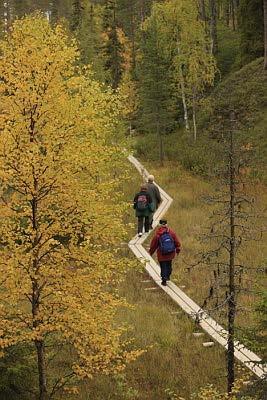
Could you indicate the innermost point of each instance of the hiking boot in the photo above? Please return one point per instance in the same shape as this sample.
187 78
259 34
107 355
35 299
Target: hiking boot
140 234
164 283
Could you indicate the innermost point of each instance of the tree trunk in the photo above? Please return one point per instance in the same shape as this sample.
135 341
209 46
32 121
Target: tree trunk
232 294
133 45
184 99
227 13
142 11
219 11
232 5
39 345
202 12
160 144
194 117
213 27
182 86
265 33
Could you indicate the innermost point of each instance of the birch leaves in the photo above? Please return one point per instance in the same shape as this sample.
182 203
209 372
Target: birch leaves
183 41
60 219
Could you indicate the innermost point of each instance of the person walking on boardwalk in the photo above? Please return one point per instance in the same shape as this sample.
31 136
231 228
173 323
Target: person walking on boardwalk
154 192
143 208
167 244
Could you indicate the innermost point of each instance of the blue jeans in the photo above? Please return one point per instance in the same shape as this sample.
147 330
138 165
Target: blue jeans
166 269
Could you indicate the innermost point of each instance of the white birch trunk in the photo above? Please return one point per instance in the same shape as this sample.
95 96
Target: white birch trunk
184 99
182 86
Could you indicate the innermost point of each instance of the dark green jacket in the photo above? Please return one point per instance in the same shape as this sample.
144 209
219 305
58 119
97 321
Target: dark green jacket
149 208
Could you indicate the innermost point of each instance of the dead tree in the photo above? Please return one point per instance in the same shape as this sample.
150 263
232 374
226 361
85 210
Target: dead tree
228 233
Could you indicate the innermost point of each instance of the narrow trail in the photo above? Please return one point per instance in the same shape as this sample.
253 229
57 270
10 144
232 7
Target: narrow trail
216 331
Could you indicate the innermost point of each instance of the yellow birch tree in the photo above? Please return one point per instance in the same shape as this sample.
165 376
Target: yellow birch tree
183 40
61 211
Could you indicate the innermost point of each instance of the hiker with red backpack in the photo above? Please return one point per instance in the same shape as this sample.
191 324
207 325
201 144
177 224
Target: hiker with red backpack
167 245
143 208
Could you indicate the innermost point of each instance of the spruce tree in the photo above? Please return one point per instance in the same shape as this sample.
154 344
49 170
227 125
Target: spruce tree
76 17
234 223
156 100
130 15
54 11
113 48
251 27
213 26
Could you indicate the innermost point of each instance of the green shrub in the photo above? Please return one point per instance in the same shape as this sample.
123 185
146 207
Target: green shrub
16 374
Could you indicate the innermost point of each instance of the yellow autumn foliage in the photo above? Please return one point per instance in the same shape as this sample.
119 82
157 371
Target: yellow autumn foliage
210 392
182 37
61 210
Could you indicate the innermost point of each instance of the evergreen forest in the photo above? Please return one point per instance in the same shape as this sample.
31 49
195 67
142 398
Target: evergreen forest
180 85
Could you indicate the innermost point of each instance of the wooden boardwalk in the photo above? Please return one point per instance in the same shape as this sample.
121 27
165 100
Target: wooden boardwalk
216 331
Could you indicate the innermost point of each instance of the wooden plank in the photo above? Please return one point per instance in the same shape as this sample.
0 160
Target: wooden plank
216 331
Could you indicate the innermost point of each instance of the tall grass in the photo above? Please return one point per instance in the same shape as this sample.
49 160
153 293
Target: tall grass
189 215
174 361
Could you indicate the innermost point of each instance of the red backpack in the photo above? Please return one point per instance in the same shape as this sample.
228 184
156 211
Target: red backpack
141 203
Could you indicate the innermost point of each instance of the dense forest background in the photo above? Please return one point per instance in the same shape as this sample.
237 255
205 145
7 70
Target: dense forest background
128 49
173 81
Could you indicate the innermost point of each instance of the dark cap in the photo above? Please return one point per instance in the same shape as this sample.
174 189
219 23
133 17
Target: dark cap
163 222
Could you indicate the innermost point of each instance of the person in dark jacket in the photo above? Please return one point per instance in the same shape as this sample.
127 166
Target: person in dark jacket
143 208
165 260
154 192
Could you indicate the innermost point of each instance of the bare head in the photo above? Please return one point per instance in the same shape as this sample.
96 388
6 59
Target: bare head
150 178
143 186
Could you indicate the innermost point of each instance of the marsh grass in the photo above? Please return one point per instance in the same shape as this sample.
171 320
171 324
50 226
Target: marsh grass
174 361
189 215
174 358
